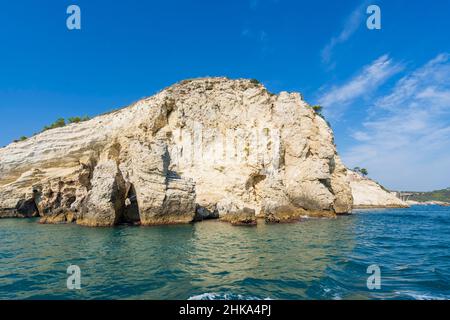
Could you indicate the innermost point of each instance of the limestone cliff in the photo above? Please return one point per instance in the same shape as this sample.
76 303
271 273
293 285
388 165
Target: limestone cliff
203 148
369 194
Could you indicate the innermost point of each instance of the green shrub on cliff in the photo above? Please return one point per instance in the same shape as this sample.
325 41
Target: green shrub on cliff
78 119
61 122
57 124
22 138
361 171
318 109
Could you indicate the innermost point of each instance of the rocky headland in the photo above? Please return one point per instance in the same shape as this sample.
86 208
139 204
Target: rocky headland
369 194
200 149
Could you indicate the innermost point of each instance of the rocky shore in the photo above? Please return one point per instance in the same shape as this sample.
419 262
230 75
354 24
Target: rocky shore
209 148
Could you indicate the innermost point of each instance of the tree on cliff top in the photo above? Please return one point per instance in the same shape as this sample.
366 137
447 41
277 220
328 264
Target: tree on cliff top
318 109
364 172
361 171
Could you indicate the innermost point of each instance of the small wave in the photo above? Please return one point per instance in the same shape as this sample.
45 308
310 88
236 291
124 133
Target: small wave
401 267
224 296
418 296
334 296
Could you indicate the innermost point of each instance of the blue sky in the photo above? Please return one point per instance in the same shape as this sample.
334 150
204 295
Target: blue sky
386 92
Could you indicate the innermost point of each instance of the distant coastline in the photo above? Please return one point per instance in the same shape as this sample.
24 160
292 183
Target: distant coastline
428 203
438 196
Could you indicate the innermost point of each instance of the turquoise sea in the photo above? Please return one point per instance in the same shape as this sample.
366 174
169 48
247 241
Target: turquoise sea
312 259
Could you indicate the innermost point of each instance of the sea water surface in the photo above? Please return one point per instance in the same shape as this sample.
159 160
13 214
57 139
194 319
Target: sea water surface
312 259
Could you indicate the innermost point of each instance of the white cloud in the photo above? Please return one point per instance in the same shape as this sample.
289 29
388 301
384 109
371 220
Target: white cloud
360 136
435 72
405 142
353 22
336 98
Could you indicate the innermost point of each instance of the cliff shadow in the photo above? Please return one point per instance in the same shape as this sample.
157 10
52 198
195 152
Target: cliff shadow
130 213
29 208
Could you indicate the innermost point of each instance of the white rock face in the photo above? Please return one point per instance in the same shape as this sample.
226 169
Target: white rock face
202 148
369 194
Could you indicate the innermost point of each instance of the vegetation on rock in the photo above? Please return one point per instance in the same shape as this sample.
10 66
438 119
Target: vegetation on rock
78 119
61 122
57 124
362 171
22 138
437 195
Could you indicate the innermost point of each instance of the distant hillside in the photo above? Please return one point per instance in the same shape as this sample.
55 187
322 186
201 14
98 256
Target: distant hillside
438 195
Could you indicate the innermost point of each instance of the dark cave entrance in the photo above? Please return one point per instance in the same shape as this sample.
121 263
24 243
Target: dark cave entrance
28 208
130 214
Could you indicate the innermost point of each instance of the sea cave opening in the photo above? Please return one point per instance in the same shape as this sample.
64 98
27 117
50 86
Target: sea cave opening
130 214
28 208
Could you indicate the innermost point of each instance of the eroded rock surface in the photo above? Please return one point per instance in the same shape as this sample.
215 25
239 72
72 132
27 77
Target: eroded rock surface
203 148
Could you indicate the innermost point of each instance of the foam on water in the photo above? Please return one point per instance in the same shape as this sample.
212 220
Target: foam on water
224 296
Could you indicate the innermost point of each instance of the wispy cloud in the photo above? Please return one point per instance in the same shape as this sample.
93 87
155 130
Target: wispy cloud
352 23
422 83
254 31
259 37
405 141
372 76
